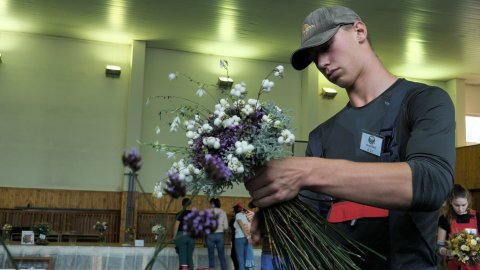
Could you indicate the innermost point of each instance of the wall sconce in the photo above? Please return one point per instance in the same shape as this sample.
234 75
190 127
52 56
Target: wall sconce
225 82
328 93
113 71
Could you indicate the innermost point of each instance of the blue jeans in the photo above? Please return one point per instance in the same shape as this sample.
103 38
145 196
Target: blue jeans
241 245
216 239
185 247
267 262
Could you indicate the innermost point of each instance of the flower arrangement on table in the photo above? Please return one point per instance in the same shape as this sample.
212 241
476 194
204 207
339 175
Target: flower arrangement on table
465 247
6 231
7 227
100 226
43 229
224 146
158 230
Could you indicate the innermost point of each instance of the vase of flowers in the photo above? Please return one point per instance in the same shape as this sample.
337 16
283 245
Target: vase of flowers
7 232
101 227
43 229
158 230
130 233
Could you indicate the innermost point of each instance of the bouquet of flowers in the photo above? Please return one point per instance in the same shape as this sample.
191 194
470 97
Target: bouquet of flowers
158 229
465 247
100 226
225 146
7 227
42 228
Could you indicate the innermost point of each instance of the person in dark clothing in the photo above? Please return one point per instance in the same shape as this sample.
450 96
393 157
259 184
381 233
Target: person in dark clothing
386 159
184 244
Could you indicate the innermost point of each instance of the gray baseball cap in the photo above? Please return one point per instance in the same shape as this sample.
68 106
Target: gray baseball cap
318 28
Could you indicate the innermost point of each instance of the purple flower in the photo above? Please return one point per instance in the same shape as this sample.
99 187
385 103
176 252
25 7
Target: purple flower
216 169
200 223
132 159
175 187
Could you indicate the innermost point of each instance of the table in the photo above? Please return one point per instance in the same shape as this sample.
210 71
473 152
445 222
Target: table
112 257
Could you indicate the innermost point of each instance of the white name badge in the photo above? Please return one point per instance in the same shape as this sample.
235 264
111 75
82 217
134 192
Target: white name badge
371 143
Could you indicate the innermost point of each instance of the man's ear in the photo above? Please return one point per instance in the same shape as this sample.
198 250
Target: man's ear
361 31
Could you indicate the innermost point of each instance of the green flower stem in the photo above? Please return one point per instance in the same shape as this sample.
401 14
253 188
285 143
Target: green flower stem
301 239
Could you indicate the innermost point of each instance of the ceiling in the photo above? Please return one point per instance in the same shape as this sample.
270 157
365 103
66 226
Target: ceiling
428 39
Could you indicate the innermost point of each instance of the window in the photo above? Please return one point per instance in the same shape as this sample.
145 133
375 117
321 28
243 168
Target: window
472 125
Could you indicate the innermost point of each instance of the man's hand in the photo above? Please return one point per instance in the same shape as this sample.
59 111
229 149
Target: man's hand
278 181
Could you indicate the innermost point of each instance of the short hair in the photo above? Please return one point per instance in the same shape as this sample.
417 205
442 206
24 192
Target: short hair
215 202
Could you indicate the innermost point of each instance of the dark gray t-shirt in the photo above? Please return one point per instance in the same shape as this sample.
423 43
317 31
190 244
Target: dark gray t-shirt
425 137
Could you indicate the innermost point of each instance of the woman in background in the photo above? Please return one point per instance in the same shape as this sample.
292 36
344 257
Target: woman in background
184 244
231 224
243 248
217 238
456 218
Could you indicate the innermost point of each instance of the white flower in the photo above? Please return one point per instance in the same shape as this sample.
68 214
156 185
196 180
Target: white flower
212 142
238 89
267 85
278 71
157 130
254 103
192 134
158 190
206 128
247 110
243 147
190 124
234 164
266 118
200 92
217 122
277 124
465 248
231 122
175 123
170 155
286 137
172 76
473 242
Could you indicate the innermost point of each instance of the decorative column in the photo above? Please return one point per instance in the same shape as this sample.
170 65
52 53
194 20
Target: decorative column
131 209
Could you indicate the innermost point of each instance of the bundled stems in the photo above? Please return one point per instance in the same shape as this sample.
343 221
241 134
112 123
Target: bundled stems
299 238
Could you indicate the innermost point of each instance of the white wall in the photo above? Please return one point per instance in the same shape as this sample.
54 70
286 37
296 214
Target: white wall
62 120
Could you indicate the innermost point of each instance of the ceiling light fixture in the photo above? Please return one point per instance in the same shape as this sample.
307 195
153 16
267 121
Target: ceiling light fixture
113 71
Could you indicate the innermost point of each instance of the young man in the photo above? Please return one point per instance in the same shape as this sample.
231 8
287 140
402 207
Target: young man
387 158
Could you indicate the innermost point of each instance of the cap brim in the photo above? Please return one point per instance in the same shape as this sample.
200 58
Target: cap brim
301 58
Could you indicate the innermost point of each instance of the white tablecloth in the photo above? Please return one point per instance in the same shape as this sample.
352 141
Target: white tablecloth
110 257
